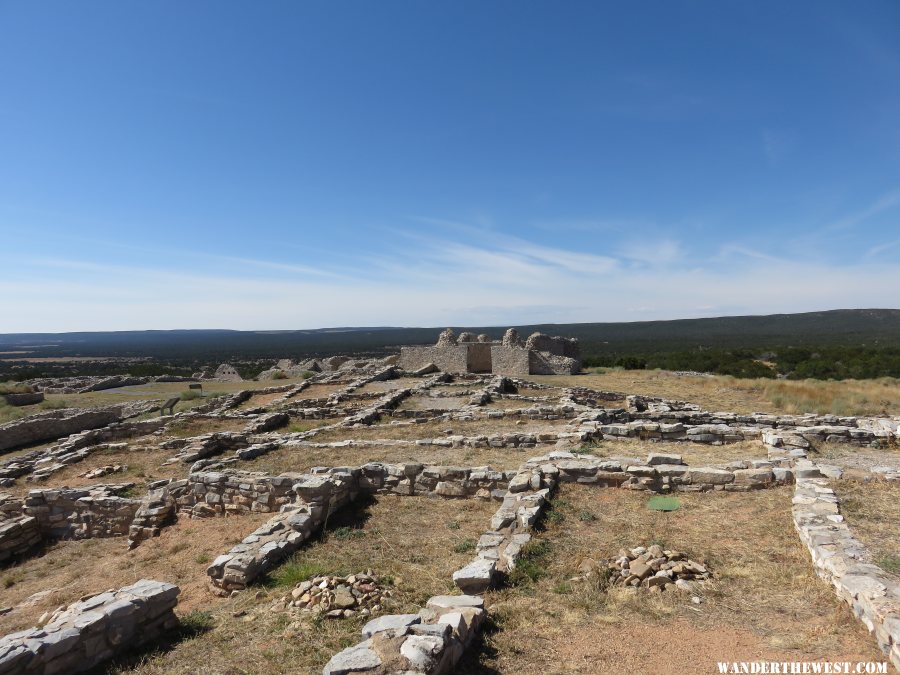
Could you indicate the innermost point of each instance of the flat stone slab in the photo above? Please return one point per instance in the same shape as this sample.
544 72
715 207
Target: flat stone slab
455 601
476 577
355 659
389 622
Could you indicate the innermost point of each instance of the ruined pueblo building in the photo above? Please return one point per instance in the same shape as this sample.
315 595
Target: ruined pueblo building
538 355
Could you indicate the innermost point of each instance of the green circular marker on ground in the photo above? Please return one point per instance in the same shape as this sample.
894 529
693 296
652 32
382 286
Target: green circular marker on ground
661 503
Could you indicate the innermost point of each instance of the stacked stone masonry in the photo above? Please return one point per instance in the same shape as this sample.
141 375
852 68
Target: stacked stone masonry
431 641
539 355
92 631
839 558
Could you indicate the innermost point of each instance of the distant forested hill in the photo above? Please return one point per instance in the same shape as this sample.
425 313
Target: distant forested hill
677 343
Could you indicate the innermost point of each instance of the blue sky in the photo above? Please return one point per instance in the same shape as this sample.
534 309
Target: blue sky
298 165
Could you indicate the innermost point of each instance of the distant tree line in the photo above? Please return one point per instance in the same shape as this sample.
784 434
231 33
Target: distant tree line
824 363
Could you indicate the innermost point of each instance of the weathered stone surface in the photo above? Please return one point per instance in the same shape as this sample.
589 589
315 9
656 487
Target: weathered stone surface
356 659
710 476
389 622
476 577
655 458
93 630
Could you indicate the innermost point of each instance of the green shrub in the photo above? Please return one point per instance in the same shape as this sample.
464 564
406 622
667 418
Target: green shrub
190 395
345 533
465 546
279 375
532 563
890 563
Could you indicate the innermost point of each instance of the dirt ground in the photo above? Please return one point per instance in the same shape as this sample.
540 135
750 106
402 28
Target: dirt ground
440 428
872 511
289 459
413 544
68 570
721 393
694 454
145 465
765 601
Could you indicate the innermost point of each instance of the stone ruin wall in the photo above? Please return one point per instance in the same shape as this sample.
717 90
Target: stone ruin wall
510 360
450 359
539 355
52 425
63 513
92 630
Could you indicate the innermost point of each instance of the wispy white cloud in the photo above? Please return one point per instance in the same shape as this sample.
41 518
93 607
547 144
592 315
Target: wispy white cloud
881 248
658 252
445 273
732 250
884 203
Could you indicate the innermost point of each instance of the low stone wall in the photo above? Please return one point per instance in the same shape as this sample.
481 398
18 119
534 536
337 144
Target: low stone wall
27 398
663 473
433 481
384 403
211 493
71 513
698 429
431 641
77 447
317 496
155 511
268 422
18 536
842 560
511 526
54 424
207 445
92 631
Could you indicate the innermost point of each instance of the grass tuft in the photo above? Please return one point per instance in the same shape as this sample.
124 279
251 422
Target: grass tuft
196 623
465 546
293 572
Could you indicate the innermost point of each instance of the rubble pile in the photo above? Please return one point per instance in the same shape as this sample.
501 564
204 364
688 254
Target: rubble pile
337 597
655 568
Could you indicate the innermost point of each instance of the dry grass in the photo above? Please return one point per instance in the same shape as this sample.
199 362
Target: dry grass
721 393
871 512
287 459
151 390
260 400
440 428
514 404
765 601
390 385
433 403
145 465
411 542
185 428
71 569
694 454
848 397
856 461
316 391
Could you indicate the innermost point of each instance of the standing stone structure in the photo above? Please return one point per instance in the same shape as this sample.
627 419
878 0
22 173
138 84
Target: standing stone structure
539 355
